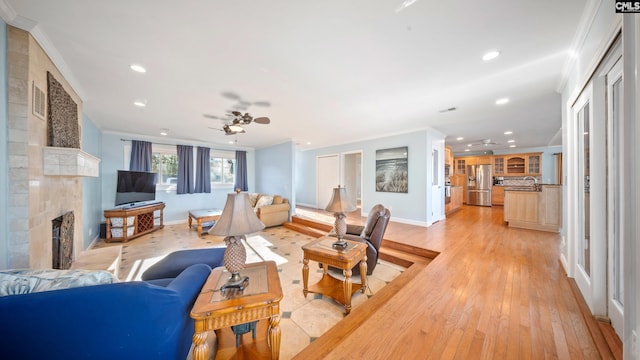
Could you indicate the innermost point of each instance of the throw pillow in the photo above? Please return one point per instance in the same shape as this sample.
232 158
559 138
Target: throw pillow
264 201
277 199
24 281
253 198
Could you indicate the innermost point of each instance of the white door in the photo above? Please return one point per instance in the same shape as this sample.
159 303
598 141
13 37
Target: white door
352 176
437 189
327 178
615 180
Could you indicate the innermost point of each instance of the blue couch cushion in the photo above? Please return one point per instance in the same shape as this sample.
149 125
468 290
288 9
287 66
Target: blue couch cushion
128 320
174 263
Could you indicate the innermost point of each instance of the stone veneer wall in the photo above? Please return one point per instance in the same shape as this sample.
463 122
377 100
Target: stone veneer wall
34 199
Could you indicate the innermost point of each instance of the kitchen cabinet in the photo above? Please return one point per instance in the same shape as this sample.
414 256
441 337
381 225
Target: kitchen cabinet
461 181
456 200
448 156
461 166
534 164
483 160
497 195
516 165
536 210
498 165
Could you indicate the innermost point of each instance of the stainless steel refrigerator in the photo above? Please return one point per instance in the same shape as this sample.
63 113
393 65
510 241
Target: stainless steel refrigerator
479 184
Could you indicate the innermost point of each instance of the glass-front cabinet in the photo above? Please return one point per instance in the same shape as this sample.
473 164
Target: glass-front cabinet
534 166
498 165
461 166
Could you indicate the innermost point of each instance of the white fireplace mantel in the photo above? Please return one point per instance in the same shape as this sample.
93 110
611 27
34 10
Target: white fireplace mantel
70 162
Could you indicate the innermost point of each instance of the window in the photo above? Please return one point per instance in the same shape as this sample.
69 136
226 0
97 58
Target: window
164 162
223 169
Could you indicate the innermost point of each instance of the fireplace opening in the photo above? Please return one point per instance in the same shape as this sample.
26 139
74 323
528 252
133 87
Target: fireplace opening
62 241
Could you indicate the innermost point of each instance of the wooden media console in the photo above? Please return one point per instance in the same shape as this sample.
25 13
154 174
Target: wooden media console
130 222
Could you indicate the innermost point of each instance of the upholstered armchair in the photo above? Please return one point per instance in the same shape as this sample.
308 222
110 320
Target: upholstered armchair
371 233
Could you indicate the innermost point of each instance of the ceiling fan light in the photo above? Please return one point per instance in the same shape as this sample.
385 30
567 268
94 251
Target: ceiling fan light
235 128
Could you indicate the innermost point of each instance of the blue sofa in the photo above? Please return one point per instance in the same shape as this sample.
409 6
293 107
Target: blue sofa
128 320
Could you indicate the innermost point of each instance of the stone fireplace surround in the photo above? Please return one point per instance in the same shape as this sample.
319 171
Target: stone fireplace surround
36 197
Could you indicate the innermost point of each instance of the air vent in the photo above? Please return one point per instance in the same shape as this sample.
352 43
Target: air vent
453 108
39 102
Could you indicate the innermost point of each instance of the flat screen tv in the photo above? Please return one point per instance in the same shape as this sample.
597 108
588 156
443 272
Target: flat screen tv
135 186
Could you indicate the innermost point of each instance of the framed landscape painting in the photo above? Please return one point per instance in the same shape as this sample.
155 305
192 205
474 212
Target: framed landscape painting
392 170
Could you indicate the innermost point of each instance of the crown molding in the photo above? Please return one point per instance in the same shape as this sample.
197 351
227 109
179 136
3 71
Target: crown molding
586 21
12 18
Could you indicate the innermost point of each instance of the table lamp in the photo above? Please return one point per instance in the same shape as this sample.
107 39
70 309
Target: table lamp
237 220
340 204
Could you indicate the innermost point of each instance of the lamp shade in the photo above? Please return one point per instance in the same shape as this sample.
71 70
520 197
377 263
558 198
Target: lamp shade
237 218
340 201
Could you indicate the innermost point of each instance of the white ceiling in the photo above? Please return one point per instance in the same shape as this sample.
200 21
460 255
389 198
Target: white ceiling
334 71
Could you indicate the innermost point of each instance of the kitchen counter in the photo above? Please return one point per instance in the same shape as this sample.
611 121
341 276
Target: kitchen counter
455 202
525 207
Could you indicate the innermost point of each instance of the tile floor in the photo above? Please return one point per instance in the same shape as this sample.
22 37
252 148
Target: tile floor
303 319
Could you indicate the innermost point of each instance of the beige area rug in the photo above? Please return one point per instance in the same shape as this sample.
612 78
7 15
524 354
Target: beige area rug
303 319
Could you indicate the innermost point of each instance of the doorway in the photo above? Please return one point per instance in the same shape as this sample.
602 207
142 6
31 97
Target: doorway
328 177
352 177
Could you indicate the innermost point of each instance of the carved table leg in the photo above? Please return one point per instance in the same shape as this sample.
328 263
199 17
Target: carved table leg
305 276
200 349
189 221
274 336
200 227
363 273
347 290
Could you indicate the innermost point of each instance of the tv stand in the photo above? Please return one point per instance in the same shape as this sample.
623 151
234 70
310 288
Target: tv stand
129 222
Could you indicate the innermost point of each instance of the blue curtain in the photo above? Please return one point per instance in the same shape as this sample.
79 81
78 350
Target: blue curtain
185 169
140 156
241 171
203 170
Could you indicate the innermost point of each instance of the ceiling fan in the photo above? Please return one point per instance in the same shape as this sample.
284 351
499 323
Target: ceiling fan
235 120
484 142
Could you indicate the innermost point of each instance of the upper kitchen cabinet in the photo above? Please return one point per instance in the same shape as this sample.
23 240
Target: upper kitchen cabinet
498 166
461 165
519 164
534 164
483 160
448 156
516 164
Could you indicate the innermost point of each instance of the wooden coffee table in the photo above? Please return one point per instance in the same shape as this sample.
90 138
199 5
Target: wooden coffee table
320 250
203 215
259 300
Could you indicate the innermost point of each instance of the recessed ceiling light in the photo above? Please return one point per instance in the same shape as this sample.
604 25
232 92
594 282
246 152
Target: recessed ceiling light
230 141
490 55
138 68
459 138
467 150
512 146
511 141
502 101
508 132
163 133
469 145
308 142
140 103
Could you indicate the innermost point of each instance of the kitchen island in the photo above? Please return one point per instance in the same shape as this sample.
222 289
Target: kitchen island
535 208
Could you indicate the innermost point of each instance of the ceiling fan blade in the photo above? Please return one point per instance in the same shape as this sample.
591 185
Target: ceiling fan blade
212 116
231 95
262 120
236 113
262 103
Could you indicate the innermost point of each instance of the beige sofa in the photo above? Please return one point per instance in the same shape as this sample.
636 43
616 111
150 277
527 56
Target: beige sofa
272 210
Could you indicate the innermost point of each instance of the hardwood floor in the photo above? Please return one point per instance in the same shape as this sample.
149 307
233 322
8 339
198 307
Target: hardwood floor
493 292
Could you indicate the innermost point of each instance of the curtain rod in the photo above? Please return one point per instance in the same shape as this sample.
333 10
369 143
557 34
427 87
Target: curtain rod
157 143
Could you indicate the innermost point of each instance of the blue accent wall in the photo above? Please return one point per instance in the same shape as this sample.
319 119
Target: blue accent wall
274 170
91 187
410 207
177 206
4 161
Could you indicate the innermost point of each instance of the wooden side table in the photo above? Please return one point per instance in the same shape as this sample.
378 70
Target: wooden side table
259 300
320 250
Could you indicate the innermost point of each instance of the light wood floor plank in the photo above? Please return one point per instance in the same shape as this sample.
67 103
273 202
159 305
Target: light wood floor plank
493 292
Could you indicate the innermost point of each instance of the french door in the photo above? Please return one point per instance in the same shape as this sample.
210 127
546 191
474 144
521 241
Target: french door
616 173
